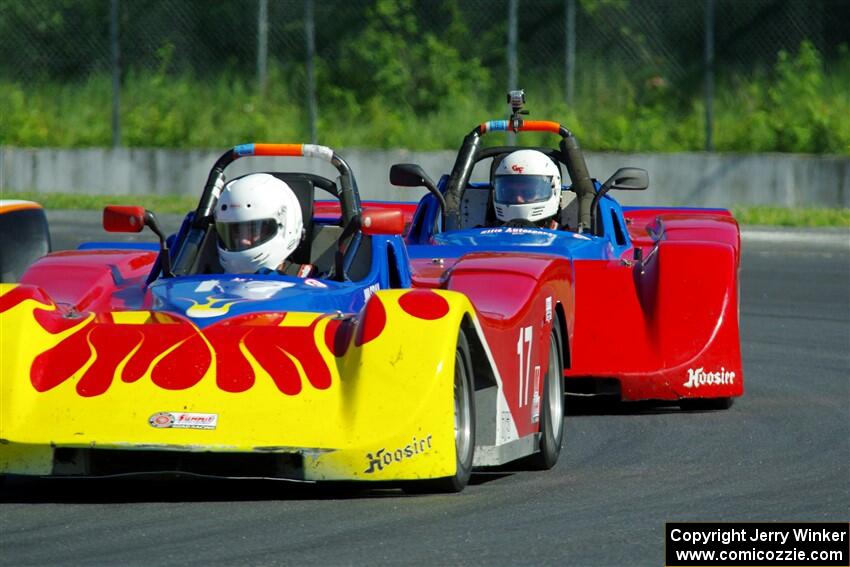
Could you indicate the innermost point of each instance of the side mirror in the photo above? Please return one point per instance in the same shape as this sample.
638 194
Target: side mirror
624 179
120 218
388 222
412 175
628 179
124 218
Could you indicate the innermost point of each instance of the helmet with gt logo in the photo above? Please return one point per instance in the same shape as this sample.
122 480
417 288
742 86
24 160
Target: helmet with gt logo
527 186
258 221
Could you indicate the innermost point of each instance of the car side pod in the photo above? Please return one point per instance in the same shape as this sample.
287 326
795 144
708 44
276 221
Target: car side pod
124 218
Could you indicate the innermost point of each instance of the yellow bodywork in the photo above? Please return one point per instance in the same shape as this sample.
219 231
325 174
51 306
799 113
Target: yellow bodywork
387 414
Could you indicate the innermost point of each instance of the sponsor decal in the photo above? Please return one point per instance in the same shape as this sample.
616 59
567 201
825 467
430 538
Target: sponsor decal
314 283
511 230
161 419
370 291
183 420
535 398
517 168
699 377
549 309
383 458
523 351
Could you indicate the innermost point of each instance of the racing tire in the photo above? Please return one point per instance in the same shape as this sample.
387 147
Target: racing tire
464 417
706 403
552 410
26 238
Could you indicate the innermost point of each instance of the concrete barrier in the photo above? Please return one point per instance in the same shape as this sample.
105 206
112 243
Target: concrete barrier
694 179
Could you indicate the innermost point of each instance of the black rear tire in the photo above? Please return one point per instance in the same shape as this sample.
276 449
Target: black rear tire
552 410
464 410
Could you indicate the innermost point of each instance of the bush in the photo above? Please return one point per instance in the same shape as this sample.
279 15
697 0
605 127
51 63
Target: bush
389 92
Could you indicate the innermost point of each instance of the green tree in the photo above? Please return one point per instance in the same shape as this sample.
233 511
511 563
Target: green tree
395 62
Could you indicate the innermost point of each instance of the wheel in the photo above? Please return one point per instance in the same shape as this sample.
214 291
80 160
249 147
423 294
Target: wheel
464 426
706 403
552 412
26 238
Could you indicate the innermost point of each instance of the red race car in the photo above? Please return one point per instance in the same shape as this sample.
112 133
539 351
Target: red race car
652 308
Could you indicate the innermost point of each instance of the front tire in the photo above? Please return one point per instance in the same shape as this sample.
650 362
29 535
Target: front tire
464 419
552 412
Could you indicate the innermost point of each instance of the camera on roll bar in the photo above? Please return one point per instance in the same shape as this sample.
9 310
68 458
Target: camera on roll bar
516 99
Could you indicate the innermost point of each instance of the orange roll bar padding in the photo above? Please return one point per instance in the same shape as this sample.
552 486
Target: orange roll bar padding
540 126
527 126
291 150
9 206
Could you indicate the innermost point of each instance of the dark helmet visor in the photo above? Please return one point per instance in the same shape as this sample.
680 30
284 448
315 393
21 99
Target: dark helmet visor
522 189
238 236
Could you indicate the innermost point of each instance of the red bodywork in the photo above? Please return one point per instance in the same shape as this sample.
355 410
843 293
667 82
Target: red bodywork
517 300
648 325
94 280
653 325
664 327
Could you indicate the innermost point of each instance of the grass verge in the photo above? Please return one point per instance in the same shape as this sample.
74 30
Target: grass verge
778 216
176 204
179 204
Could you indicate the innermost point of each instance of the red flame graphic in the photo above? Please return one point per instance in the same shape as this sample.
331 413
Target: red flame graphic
178 355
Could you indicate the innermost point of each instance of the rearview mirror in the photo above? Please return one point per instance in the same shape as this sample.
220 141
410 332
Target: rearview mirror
624 179
412 175
122 218
628 179
388 222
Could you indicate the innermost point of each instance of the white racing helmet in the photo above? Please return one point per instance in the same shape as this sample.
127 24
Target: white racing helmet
527 186
258 221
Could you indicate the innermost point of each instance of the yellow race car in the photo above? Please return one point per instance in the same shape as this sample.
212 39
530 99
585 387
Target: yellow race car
125 359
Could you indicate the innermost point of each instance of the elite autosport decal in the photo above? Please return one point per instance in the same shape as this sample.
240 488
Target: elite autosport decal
511 230
183 420
383 458
699 377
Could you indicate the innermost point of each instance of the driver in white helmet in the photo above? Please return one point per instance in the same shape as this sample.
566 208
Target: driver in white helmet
258 221
527 190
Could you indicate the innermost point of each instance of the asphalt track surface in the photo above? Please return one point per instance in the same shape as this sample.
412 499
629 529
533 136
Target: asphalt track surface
781 453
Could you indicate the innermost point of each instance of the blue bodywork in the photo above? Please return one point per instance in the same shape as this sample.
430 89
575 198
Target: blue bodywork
259 293
613 243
